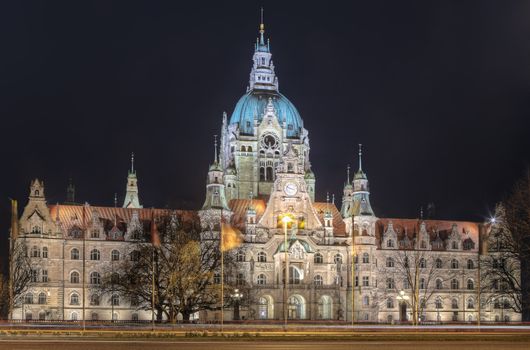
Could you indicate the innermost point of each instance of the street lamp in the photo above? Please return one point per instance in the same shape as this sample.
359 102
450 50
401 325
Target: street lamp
286 220
402 300
237 296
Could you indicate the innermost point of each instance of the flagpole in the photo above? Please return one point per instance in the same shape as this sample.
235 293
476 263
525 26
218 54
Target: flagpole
153 273
222 274
84 264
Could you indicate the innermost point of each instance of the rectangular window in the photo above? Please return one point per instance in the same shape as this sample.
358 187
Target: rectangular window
44 276
366 281
34 276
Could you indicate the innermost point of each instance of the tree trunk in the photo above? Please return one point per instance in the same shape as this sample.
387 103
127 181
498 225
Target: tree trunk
159 313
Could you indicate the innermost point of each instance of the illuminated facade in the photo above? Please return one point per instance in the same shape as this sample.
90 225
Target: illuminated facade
262 183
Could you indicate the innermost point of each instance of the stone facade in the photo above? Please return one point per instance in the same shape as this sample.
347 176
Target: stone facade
262 183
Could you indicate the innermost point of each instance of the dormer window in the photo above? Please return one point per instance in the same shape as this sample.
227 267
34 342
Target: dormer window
290 127
263 61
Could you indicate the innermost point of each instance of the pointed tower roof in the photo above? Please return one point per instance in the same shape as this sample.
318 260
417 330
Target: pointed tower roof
360 173
131 196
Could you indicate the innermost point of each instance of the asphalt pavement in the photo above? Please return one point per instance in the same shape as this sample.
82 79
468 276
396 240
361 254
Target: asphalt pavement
81 344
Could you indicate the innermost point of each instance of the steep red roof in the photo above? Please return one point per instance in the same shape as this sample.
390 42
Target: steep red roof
441 227
339 228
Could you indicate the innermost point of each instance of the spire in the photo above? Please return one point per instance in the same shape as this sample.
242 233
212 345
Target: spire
348 174
215 147
261 29
360 157
115 199
131 195
70 192
132 163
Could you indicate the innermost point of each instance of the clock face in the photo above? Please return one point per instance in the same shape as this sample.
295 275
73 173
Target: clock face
290 188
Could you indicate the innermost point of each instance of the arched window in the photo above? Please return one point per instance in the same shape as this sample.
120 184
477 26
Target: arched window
74 254
262 173
114 278
240 257
390 303
74 316
470 284
454 245
74 299
45 252
249 149
94 254
295 276
454 283
390 283
439 284
35 252
454 304
366 258
28 298
42 298
389 262
262 257
94 299
470 264
422 283
406 284
262 279
74 277
438 303
94 316
115 300
337 259
318 281
243 149
454 264
439 263
423 263
134 316
390 243
95 278
470 303
319 259
115 255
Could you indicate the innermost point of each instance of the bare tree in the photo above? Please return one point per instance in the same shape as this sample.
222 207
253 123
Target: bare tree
418 276
517 222
501 267
21 269
178 272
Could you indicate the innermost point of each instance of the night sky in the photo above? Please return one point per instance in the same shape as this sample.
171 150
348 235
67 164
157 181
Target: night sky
438 93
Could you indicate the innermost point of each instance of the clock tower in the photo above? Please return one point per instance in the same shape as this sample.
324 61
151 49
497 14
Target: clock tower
290 195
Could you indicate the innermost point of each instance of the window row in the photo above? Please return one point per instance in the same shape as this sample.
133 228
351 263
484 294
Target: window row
454 264
455 284
95 254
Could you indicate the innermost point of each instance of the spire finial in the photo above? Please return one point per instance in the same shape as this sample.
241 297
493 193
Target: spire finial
115 200
360 157
261 29
421 212
333 199
215 146
348 174
132 162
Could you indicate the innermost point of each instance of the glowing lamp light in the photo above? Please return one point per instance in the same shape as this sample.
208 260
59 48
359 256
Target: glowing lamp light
493 220
286 219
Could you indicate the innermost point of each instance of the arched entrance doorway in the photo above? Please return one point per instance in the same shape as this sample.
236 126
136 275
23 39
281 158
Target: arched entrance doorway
325 307
296 306
265 307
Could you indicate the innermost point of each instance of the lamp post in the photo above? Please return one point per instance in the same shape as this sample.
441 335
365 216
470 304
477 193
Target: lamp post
286 219
237 296
402 300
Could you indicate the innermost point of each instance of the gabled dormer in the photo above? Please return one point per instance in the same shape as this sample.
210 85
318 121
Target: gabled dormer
454 241
390 238
135 229
423 241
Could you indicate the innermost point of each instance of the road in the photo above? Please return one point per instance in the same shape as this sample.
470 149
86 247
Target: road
43 344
